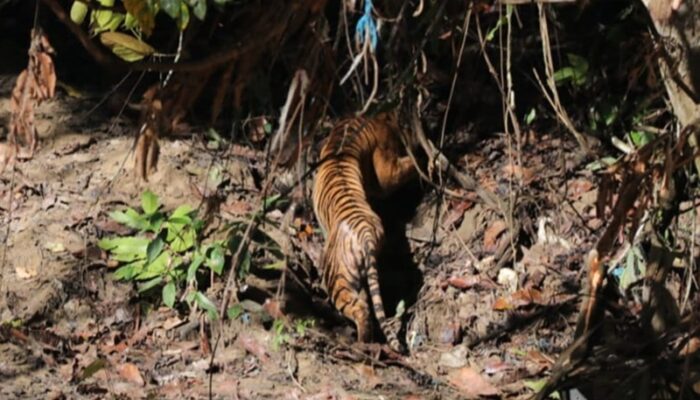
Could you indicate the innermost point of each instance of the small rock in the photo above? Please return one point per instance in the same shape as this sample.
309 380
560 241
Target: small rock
508 278
456 358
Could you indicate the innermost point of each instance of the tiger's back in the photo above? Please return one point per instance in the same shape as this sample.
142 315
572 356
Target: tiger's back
359 159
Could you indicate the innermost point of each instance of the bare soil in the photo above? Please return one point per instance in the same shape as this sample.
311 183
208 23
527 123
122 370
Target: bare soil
474 325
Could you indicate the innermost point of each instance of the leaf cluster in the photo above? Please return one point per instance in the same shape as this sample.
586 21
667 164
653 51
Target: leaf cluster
165 251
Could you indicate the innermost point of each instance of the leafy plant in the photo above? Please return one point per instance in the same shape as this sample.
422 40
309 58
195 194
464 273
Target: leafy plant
576 72
139 19
283 333
165 252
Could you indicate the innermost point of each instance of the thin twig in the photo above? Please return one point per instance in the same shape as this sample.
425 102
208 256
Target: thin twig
552 95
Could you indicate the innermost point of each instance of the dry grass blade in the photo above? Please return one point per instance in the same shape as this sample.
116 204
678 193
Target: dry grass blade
291 112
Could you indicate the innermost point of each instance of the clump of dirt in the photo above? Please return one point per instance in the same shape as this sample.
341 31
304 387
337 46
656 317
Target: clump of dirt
474 324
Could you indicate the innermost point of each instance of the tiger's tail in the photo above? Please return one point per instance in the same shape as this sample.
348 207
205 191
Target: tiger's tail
376 297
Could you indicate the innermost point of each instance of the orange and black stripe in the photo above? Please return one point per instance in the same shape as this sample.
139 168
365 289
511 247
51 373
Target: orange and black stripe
354 232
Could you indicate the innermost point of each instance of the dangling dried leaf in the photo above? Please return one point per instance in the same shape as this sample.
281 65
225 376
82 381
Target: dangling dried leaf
147 147
34 85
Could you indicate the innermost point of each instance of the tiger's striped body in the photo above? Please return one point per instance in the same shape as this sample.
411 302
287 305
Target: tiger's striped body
359 159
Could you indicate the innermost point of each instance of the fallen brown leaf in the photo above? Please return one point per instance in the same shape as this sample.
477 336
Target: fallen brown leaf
471 383
272 307
579 187
131 373
253 346
502 304
237 208
520 172
492 233
526 297
456 212
467 282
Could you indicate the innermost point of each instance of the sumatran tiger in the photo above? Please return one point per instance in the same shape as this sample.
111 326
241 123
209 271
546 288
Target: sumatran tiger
360 159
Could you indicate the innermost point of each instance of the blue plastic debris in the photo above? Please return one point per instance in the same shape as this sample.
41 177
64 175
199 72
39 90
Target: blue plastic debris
367 26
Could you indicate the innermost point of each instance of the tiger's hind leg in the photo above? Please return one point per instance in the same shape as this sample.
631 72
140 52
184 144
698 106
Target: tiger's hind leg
354 305
344 285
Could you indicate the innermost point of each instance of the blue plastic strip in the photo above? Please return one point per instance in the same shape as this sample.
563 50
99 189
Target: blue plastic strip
366 25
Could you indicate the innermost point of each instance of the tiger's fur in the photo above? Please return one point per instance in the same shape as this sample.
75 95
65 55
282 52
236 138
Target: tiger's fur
360 158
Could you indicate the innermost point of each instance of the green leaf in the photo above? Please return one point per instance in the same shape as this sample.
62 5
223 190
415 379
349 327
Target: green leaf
530 116
154 249
179 222
244 268
182 211
158 267
130 218
130 22
184 18
641 138
129 271
171 7
277 265
183 240
102 18
149 202
169 294
602 163
215 262
125 248
124 273
563 74
114 22
610 114
270 201
150 284
200 9
189 298
206 304
222 3
579 67
155 222
194 266
234 312
78 12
